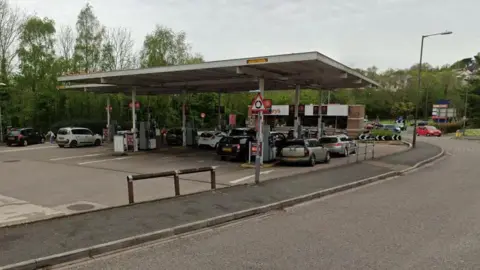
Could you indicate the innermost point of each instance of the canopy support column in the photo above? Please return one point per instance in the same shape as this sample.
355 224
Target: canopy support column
134 120
219 111
320 115
296 120
184 119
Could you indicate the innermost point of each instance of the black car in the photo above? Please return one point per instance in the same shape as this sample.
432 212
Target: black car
236 132
234 147
24 136
174 136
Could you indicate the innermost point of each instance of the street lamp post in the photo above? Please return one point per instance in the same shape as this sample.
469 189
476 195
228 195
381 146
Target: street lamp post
414 140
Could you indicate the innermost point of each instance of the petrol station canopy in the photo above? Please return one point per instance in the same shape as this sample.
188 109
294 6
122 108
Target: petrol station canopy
310 70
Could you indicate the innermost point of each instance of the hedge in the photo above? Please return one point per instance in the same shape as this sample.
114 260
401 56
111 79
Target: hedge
381 132
449 127
94 125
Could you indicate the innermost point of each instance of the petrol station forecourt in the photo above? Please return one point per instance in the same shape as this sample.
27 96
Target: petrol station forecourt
310 70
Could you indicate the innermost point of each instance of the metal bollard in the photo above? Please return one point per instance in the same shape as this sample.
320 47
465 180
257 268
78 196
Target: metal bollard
213 181
130 190
176 183
366 150
357 152
373 150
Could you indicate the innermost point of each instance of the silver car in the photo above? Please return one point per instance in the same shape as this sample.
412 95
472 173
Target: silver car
339 144
304 151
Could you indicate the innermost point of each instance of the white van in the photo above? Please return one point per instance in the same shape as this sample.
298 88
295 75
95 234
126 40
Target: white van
77 136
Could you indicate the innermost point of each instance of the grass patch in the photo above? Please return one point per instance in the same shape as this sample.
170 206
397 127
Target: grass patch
473 132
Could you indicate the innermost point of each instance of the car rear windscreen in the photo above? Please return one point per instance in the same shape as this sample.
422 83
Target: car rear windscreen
232 140
325 140
62 132
294 143
14 133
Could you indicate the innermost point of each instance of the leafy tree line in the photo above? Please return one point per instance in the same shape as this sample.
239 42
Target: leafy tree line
34 51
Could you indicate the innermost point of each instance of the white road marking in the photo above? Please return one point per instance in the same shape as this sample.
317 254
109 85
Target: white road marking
236 181
26 149
102 160
73 157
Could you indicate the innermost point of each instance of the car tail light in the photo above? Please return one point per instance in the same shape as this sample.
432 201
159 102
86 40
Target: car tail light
306 152
238 147
338 144
254 149
20 136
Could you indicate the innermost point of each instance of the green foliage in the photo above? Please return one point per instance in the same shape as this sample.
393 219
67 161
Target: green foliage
31 99
381 132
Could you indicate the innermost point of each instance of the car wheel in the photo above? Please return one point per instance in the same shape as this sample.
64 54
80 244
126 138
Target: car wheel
223 158
9 144
61 146
97 142
327 157
312 161
25 143
428 135
346 153
418 135
73 144
42 141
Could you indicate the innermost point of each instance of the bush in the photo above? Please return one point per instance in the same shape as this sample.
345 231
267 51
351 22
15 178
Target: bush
449 127
381 132
94 125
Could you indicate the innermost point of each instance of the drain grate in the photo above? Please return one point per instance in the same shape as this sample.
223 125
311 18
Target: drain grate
80 207
11 161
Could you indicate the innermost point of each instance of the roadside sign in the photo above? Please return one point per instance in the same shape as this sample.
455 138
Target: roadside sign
202 115
258 105
137 105
108 108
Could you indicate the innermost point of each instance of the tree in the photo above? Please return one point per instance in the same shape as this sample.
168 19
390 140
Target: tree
122 48
164 47
38 72
89 41
11 20
66 48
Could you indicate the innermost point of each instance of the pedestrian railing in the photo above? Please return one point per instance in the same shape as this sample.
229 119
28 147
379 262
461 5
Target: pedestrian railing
176 179
362 151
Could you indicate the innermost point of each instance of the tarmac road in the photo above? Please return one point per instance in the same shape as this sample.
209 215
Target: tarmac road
428 219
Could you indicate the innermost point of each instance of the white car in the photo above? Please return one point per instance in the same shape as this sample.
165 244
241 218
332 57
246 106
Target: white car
210 139
77 136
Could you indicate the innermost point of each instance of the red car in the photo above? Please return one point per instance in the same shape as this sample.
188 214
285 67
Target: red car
428 131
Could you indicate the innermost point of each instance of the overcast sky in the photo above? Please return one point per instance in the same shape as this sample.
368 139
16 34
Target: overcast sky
358 33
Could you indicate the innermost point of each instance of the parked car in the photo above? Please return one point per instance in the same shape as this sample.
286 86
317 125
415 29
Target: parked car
304 151
278 138
339 145
420 123
236 132
234 147
210 139
24 137
394 128
77 136
428 131
174 136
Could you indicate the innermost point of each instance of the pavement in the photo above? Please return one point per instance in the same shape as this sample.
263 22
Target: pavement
20 243
43 181
424 220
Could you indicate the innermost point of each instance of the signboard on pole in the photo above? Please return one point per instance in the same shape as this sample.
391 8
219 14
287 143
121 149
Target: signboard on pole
202 115
232 119
258 105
